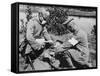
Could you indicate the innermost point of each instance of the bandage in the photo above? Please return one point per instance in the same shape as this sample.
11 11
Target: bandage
40 41
73 41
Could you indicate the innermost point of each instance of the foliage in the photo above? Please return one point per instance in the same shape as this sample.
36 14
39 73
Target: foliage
29 12
92 38
55 20
94 30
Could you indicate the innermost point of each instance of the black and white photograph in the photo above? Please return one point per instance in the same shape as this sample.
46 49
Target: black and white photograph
56 37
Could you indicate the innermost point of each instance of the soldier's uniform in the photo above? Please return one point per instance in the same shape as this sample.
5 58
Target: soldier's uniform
79 51
33 31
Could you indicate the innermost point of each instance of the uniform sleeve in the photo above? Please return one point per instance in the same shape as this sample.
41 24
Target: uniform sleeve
82 43
46 34
29 32
82 39
32 31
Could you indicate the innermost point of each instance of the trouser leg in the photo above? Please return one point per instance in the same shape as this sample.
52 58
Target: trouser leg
79 58
69 61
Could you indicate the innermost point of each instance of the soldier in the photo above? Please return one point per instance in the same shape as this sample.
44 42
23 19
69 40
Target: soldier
34 29
78 45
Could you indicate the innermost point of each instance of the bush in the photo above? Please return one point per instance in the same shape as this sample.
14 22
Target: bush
55 20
